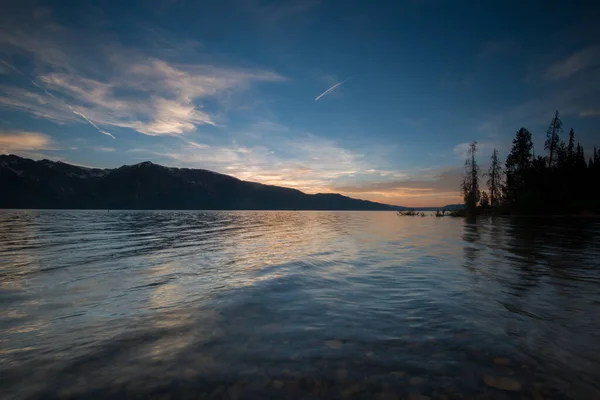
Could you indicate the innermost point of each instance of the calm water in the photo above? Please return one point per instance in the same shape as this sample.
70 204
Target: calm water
296 305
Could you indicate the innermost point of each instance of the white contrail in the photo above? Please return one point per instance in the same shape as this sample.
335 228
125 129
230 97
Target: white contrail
330 89
11 67
59 100
93 124
79 113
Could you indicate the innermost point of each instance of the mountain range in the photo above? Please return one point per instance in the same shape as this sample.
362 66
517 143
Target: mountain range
45 184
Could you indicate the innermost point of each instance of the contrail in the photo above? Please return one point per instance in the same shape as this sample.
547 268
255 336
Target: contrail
59 100
93 124
79 113
11 67
330 89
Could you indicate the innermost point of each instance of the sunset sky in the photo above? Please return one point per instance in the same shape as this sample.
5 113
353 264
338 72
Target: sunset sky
375 100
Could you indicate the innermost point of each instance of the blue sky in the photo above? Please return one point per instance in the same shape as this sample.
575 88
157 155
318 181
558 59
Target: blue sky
232 85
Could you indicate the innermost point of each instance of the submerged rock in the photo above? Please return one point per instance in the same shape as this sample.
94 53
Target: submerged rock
507 384
416 396
333 344
502 361
351 390
277 384
388 395
341 375
416 380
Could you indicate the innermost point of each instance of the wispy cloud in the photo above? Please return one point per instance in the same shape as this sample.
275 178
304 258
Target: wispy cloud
331 89
590 113
11 141
575 95
104 149
291 159
583 59
484 149
432 187
17 104
78 113
111 85
412 121
310 163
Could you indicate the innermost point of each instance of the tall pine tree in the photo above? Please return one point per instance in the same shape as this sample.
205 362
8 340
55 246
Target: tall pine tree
553 139
571 147
470 183
494 181
518 163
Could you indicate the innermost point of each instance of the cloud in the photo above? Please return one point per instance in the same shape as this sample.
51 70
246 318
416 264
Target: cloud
78 113
82 115
483 148
309 163
11 141
432 187
331 89
413 122
432 180
590 113
104 149
581 60
570 96
107 84
301 161
34 103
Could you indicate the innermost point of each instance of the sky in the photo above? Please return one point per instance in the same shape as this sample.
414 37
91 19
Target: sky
375 100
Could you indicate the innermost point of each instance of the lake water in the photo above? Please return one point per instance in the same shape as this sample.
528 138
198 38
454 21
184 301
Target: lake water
297 305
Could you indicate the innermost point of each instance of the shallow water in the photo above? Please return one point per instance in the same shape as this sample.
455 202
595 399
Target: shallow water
296 305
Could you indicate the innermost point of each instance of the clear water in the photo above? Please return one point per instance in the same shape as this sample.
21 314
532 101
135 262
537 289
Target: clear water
296 305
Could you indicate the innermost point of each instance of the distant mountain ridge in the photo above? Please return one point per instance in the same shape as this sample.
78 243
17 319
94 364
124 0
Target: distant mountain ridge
25 183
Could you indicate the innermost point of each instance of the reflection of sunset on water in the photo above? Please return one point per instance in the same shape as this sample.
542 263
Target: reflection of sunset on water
231 302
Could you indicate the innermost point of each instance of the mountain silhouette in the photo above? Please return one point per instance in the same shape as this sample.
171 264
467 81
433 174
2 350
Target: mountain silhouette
43 184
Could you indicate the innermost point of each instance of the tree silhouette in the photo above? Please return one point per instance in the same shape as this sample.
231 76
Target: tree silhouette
571 147
484 201
494 181
518 163
552 139
561 181
470 183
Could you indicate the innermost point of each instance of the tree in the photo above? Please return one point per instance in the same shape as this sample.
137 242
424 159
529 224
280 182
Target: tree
484 201
571 147
470 183
580 158
561 154
494 181
552 139
518 162
521 153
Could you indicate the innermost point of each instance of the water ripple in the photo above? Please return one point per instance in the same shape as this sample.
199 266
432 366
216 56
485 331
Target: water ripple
128 303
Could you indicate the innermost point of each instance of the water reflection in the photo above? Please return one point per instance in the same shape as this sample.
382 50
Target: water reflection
471 249
284 304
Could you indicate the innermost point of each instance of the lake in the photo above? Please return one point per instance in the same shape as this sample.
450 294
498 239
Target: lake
330 305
